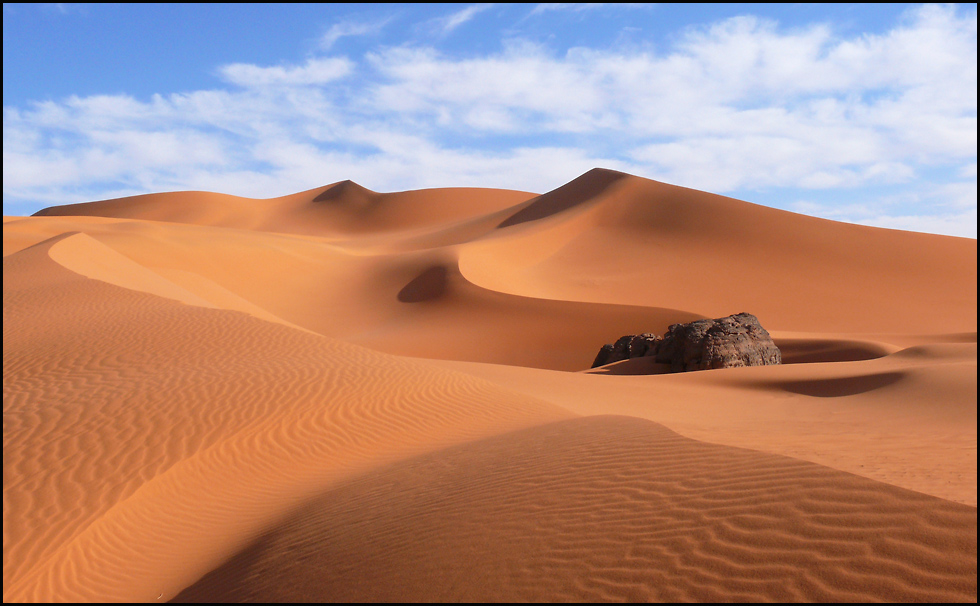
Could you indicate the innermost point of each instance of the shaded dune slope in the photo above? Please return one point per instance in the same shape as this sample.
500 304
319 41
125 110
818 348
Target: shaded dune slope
440 314
607 509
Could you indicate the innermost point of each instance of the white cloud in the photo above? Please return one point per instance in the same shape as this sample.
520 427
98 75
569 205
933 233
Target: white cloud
450 22
350 28
315 71
545 7
522 79
578 7
957 196
736 106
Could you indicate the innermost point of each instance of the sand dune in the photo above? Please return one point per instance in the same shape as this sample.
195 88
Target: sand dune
118 392
903 419
342 208
639 242
607 509
346 394
413 303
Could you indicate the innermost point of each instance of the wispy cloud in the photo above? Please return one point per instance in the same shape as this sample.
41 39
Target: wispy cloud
578 7
351 28
315 71
545 7
450 22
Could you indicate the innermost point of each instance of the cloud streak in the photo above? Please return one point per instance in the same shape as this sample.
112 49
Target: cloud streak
450 22
345 29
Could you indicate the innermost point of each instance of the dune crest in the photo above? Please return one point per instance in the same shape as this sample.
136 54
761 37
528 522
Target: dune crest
582 190
88 257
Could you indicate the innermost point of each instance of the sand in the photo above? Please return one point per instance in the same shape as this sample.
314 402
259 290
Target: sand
346 395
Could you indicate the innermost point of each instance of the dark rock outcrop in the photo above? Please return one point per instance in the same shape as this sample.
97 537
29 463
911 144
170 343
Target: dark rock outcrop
630 346
737 340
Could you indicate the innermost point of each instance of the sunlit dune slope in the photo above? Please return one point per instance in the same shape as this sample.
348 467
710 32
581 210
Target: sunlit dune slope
609 237
604 238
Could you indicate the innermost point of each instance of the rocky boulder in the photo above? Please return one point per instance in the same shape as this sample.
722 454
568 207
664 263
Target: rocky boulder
630 346
737 340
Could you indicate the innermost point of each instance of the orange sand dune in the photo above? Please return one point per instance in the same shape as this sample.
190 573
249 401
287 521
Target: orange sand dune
345 394
340 208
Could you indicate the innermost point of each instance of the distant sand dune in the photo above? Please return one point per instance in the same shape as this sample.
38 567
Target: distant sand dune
341 208
342 394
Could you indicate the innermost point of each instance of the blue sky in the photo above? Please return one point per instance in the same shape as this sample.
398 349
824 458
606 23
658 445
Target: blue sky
861 113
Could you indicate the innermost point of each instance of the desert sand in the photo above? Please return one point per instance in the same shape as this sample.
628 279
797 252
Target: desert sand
346 395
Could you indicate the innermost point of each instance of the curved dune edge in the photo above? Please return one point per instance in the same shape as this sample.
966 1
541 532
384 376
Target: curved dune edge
88 257
23 232
606 509
798 348
371 300
92 259
441 314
